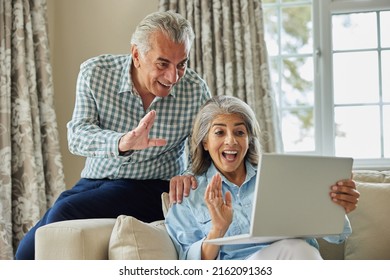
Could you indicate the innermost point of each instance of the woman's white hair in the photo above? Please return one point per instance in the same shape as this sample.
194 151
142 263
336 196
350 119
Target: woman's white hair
222 105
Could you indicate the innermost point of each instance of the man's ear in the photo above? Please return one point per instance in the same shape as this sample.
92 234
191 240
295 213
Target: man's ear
135 55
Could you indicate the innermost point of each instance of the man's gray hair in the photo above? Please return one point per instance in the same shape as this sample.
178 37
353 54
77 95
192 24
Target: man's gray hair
172 24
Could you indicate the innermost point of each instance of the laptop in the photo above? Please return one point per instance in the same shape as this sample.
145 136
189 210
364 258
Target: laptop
292 199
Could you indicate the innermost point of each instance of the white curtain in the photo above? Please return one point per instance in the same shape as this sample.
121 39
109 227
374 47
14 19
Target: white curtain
31 171
229 51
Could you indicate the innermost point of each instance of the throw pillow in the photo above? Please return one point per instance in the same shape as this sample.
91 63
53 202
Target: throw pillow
132 239
165 203
370 224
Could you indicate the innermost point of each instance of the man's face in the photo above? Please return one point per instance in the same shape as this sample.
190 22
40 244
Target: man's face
161 67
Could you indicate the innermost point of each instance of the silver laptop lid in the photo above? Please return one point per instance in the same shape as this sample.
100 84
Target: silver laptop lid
293 195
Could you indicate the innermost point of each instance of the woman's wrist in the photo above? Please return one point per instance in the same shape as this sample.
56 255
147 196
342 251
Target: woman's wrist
215 233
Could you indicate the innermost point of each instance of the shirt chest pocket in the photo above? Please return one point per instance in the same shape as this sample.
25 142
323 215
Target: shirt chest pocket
170 131
204 221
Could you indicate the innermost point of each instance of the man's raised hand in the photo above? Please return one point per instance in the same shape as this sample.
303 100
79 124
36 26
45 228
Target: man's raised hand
138 138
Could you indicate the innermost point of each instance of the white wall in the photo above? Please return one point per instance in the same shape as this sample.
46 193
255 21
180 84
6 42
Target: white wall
78 30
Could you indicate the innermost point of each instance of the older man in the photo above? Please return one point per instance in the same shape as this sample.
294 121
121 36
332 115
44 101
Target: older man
132 116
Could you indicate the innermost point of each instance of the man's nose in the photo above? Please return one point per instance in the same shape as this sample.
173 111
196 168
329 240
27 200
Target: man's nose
172 74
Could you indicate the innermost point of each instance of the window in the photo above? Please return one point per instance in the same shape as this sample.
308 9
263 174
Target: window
328 63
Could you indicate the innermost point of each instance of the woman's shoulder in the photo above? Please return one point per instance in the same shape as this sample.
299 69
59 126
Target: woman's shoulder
198 193
195 201
202 180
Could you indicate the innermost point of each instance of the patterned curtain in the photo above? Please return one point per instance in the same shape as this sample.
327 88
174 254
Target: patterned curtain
229 51
31 171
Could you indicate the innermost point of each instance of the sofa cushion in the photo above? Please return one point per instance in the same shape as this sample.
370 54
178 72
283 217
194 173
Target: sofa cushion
370 222
84 239
132 239
372 176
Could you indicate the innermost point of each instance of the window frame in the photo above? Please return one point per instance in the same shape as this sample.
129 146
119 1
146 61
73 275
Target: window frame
323 63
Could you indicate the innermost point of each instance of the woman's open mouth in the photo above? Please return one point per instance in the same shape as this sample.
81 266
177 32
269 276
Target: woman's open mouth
230 155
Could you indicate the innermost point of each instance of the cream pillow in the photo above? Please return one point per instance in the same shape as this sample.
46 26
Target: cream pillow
165 203
132 239
370 238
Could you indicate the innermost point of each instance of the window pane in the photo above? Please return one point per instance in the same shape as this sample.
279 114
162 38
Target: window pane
354 31
297 84
386 129
358 132
298 130
355 77
386 75
271 30
385 26
296 33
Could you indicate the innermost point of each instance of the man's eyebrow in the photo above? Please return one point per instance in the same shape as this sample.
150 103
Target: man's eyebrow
164 59
184 60
168 61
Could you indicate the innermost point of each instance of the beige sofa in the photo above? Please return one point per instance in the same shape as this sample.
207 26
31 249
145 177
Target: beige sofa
128 238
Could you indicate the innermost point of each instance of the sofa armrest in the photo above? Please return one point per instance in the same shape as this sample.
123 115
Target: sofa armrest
85 239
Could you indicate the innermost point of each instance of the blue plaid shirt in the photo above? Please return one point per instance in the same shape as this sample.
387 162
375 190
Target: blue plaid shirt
107 107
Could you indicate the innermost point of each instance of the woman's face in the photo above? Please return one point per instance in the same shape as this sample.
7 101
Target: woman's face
227 143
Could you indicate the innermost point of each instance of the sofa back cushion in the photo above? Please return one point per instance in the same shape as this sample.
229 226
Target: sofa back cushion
370 238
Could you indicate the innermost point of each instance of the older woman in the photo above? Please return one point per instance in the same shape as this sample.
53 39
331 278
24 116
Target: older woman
225 148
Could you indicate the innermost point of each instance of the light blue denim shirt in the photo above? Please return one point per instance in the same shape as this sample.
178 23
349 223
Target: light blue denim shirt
188 223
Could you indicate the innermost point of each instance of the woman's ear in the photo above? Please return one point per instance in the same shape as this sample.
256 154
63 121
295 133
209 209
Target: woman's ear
205 146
